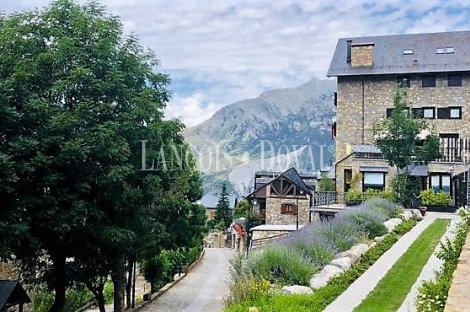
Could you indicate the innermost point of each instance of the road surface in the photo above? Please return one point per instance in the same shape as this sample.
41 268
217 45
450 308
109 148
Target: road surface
202 290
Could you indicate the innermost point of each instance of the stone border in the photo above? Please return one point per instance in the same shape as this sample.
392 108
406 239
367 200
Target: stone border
168 286
458 298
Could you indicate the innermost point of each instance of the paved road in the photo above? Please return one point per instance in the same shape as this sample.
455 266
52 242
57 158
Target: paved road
202 290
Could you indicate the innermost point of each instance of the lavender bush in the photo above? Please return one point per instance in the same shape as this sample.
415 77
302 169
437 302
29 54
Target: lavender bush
369 219
390 209
281 264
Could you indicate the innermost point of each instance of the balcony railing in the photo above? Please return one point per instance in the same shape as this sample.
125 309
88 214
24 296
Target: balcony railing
325 198
455 150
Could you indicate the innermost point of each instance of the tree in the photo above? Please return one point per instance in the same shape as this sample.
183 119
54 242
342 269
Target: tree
242 208
326 184
77 100
223 212
403 141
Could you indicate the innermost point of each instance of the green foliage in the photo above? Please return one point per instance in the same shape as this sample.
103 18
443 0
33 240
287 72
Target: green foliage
274 302
326 184
79 171
389 208
354 195
403 274
433 293
75 299
156 270
397 136
242 209
108 292
407 187
405 226
280 264
223 212
430 197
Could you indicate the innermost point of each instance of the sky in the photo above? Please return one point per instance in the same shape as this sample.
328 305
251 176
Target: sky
217 52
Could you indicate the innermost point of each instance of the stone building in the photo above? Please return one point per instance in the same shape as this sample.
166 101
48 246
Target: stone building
435 69
282 198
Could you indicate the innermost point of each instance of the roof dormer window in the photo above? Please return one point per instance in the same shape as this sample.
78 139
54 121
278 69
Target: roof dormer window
440 51
407 51
450 50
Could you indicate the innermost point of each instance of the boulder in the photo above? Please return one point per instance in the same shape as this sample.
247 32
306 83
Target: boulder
407 214
351 255
296 289
359 249
321 279
417 214
378 238
344 263
392 223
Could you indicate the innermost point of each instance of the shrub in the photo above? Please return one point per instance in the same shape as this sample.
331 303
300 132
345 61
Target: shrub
281 264
340 231
354 195
370 220
317 249
431 198
389 208
433 294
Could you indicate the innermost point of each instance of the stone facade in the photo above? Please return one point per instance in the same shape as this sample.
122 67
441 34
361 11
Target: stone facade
273 210
362 55
363 101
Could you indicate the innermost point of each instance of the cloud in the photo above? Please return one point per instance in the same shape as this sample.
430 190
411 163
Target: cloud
192 109
219 52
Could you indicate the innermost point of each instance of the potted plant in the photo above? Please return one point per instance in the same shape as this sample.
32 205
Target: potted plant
354 197
435 201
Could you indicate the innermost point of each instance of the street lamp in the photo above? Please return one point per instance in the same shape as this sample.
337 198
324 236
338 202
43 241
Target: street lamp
248 225
301 192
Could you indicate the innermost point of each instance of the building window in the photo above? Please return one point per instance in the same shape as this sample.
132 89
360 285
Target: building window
428 81
440 51
373 180
440 182
289 209
454 80
450 50
403 81
449 113
455 112
428 112
407 51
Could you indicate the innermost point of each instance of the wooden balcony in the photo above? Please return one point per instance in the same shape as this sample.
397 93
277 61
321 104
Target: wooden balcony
455 150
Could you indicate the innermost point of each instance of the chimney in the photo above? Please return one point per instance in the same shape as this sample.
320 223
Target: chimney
348 50
362 54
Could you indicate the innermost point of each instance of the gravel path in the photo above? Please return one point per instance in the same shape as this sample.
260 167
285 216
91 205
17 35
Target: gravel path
202 290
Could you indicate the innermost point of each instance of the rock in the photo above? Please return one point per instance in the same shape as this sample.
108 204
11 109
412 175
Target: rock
321 279
408 214
343 263
360 249
392 223
378 239
296 289
253 309
372 245
354 253
417 214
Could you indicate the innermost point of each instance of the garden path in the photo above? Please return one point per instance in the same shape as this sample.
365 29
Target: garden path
202 290
359 290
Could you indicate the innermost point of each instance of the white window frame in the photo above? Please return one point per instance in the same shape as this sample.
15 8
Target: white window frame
373 179
428 113
455 112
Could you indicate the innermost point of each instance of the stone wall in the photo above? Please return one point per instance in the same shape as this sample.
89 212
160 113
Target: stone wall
268 234
363 101
273 210
458 298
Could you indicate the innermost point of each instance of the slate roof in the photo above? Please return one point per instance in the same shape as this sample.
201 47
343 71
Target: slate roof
11 293
390 59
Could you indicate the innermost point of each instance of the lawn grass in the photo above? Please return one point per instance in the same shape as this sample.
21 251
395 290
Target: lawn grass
393 288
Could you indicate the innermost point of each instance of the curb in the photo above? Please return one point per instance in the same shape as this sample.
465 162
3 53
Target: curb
168 286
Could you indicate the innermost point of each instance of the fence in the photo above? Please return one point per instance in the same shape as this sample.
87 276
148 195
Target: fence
325 198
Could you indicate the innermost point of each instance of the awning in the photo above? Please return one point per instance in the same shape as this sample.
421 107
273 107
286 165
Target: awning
372 169
418 170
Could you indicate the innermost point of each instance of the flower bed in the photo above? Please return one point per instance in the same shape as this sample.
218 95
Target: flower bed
433 294
317 244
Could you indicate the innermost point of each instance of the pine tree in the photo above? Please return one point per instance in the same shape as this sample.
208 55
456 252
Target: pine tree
223 213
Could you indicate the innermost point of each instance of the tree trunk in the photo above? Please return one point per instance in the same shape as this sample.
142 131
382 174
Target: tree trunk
129 283
101 303
60 283
118 277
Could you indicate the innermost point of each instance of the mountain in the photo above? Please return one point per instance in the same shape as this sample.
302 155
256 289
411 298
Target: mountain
278 129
